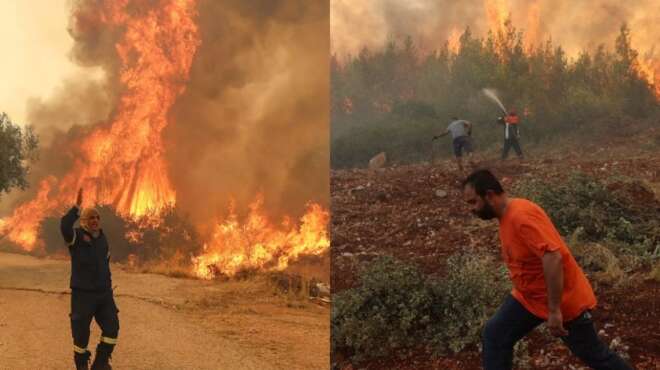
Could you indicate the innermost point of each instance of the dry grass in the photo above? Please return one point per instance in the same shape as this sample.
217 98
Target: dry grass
655 272
294 289
600 261
167 268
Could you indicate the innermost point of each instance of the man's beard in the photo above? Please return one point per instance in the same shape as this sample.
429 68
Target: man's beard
486 212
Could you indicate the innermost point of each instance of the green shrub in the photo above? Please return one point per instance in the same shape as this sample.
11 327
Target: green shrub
603 214
468 295
395 307
390 310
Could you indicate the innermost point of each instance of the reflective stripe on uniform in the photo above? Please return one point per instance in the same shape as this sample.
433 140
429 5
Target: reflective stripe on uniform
74 237
79 349
109 340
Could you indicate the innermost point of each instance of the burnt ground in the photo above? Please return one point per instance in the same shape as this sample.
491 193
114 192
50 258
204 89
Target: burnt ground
416 213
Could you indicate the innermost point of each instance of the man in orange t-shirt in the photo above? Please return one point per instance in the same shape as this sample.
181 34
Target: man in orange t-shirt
548 284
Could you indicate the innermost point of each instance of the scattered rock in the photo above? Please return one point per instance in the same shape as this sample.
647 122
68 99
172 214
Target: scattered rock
440 193
378 161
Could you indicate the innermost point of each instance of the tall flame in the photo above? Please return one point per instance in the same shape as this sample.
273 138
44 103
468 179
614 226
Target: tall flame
258 244
532 32
649 68
454 40
496 13
121 163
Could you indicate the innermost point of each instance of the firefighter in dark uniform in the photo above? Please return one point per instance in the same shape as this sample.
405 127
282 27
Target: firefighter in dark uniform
91 286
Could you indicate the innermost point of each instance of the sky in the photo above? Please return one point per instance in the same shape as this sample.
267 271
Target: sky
35 45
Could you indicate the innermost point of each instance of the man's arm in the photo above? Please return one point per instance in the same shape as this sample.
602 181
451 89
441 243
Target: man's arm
538 241
441 135
67 221
66 225
554 280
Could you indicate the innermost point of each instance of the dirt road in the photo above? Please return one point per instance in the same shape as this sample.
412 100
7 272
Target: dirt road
165 323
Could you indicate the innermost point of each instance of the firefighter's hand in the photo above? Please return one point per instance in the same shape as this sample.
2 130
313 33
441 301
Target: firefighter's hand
79 198
555 325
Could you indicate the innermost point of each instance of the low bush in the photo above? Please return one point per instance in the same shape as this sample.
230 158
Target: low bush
620 213
395 307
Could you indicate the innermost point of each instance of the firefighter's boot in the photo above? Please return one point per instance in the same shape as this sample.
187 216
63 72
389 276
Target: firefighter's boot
102 359
82 360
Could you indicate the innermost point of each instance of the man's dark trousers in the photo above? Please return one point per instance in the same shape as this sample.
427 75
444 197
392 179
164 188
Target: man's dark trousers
512 322
511 142
98 305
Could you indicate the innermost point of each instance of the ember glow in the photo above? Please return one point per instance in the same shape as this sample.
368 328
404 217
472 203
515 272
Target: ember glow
256 244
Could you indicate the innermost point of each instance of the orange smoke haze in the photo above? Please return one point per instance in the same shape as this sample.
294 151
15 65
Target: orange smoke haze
573 25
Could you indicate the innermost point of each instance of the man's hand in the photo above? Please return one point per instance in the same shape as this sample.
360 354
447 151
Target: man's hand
79 198
555 324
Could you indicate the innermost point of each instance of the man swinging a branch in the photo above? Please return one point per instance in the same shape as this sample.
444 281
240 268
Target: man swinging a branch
91 286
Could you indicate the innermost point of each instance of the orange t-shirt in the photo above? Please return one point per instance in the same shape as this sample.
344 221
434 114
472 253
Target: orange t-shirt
526 233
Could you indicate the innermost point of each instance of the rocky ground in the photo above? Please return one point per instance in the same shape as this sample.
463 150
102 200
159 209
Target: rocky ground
416 213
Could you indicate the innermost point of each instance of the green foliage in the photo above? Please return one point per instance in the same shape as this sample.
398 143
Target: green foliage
396 99
468 295
601 212
395 307
392 309
17 147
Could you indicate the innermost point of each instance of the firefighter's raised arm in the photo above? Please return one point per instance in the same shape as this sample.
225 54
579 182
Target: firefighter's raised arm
66 224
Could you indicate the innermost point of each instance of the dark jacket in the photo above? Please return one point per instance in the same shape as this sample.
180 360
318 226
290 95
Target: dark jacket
90 257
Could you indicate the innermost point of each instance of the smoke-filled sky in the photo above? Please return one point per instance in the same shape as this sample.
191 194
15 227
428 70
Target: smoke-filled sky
253 117
573 24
